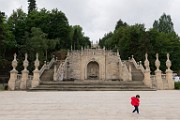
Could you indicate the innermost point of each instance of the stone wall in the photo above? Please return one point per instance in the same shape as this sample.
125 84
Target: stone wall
109 65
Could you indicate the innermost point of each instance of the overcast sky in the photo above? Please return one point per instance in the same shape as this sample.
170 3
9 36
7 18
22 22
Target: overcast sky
98 17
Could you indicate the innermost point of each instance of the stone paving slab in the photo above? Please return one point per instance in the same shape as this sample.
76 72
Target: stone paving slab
89 105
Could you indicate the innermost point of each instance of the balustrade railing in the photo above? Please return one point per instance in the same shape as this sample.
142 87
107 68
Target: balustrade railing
18 81
30 77
46 66
43 68
137 66
153 81
49 65
60 70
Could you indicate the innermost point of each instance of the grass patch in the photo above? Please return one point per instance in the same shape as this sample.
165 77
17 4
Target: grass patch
177 85
1 87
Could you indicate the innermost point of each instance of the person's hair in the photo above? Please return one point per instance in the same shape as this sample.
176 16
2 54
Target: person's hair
138 96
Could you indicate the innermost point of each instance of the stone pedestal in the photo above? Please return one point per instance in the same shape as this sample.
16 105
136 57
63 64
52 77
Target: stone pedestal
25 74
147 78
169 79
169 74
12 80
55 73
159 80
130 75
13 75
36 80
24 79
36 75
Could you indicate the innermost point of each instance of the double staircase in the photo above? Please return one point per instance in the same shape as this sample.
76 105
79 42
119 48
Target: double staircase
47 83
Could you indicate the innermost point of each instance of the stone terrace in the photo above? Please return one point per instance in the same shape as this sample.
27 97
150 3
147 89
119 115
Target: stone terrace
89 105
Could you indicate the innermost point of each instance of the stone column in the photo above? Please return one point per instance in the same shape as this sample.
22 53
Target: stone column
13 75
36 73
130 73
55 73
147 77
169 74
158 74
118 53
25 73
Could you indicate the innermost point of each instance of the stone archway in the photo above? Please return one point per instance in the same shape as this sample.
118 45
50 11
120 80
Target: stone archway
93 70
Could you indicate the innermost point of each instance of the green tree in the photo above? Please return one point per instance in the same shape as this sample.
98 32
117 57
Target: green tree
17 25
104 41
78 38
32 5
164 43
7 44
2 32
54 23
2 15
119 24
75 39
38 41
164 24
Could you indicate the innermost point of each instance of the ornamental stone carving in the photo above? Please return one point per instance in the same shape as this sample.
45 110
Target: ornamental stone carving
168 63
146 62
14 62
157 62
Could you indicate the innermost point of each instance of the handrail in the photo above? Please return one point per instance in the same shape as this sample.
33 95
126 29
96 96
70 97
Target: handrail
135 63
141 67
60 70
43 68
18 81
19 76
137 66
50 63
46 66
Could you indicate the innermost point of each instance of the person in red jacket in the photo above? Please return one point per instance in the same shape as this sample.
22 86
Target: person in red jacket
135 102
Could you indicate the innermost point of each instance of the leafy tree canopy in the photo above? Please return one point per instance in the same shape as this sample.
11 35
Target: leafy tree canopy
164 24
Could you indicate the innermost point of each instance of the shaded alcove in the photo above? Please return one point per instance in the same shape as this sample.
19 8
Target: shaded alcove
93 70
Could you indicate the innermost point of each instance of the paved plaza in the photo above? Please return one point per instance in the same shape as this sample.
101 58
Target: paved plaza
89 105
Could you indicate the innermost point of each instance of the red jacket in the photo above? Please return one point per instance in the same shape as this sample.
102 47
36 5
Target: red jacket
135 101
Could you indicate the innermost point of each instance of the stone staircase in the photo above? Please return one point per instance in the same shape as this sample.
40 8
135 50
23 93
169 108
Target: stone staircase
48 74
137 74
91 85
47 83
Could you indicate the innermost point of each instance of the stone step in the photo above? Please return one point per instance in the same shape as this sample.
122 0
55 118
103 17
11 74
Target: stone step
94 82
91 86
92 89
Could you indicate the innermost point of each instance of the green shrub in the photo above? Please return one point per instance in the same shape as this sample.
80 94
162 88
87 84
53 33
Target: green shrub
177 85
1 87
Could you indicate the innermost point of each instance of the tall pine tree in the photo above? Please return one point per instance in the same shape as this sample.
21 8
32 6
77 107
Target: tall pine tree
32 5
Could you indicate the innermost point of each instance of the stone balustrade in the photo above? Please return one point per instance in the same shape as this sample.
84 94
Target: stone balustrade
25 81
159 81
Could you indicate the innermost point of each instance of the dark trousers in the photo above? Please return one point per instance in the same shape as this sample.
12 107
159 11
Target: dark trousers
136 109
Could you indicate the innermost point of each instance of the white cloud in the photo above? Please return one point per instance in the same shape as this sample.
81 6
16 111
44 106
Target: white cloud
98 17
